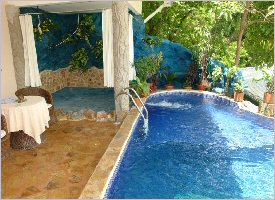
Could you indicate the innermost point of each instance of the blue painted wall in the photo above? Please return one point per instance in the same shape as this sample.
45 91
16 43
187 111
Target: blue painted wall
175 57
59 57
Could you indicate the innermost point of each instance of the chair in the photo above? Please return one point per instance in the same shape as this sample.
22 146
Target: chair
5 149
35 91
4 126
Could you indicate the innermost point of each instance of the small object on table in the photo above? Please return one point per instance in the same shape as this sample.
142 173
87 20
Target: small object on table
21 99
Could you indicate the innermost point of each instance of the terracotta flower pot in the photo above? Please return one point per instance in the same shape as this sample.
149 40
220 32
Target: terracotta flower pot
169 87
187 87
269 97
153 87
238 96
201 87
143 99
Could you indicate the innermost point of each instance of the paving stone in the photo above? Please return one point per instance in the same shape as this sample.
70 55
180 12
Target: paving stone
75 179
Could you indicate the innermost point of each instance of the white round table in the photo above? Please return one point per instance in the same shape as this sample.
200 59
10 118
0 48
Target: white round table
31 116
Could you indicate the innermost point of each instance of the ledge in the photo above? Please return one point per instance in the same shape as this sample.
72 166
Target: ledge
98 182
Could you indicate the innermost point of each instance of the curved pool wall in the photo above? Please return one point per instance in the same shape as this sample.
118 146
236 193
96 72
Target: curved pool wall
208 148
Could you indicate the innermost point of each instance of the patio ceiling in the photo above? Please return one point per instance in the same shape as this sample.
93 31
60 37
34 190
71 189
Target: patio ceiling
72 6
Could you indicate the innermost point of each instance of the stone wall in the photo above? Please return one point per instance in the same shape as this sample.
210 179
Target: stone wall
58 79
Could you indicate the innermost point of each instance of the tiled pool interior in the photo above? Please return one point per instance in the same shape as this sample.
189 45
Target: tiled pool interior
76 99
198 146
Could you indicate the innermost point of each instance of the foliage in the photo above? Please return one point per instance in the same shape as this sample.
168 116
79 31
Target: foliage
212 29
148 66
46 26
217 74
230 74
79 60
170 78
98 49
141 87
192 73
152 42
187 84
84 31
85 28
269 78
239 86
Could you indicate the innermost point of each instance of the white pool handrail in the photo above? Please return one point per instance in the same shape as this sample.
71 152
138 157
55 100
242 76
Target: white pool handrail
126 91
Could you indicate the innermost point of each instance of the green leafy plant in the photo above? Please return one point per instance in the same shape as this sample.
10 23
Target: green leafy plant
141 87
239 86
187 84
148 66
85 29
79 60
217 74
170 78
230 74
98 49
269 79
152 42
46 26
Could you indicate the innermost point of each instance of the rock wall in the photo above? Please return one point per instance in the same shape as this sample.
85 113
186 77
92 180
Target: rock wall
176 57
58 79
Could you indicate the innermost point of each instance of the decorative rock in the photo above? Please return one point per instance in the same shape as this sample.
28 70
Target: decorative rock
53 184
68 130
75 116
90 114
111 116
101 116
75 179
266 109
58 79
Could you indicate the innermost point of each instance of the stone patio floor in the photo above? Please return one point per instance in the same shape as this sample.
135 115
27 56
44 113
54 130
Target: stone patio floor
61 166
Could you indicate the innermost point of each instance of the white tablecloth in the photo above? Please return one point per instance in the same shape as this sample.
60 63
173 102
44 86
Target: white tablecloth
31 116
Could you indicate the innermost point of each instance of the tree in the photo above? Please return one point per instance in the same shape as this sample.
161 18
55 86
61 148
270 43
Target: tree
212 29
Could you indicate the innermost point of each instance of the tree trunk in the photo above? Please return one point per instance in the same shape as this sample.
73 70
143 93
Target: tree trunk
241 33
121 55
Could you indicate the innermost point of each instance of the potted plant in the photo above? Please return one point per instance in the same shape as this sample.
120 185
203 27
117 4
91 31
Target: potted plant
269 79
239 91
187 85
204 83
170 81
148 69
142 89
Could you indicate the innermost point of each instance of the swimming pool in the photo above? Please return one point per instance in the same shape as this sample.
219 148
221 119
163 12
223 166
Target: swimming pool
72 99
197 146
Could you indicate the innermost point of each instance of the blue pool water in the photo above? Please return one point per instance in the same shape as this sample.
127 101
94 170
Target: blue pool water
197 146
76 99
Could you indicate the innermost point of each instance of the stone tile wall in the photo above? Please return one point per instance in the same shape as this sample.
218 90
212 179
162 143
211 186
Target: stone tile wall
58 79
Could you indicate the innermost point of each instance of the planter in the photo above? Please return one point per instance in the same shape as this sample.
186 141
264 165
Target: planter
269 98
169 87
201 87
153 87
187 87
143 99
238 96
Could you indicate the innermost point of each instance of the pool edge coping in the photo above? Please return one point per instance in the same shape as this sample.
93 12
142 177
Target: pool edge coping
98 182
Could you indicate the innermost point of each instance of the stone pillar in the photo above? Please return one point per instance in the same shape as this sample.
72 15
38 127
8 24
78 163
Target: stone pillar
16 38
121 55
